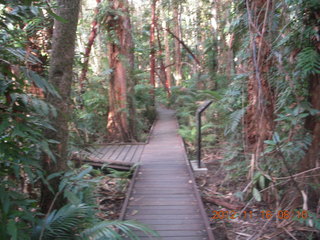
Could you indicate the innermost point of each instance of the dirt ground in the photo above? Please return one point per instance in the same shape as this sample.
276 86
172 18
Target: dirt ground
233 218
112 193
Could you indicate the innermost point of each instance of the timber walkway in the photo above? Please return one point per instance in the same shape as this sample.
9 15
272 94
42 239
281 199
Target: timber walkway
164 195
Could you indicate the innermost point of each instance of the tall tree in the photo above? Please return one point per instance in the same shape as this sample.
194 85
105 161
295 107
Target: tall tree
311 160
121 61
60 76
177 47
92 37
260 112
167 58
152 45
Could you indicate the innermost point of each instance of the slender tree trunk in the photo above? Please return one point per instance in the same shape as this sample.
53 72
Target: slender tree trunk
121 61
60 75
163 74
259 117
167 60
184 46
177 47
152 46
92 37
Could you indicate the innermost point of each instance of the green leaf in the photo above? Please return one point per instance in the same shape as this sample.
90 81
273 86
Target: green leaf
83 173
262 182
256 194
57 17
276 138
12 229
72 197
269 142
54 175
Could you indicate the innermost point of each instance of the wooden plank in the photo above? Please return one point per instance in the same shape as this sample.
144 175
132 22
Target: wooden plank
166 207
163 203
105 150
163 184
131 153
178 233
110 152
203 237
116 153
132 211
154 191
137 156
164 181
123 154
164 216
153 201
186 195
176 227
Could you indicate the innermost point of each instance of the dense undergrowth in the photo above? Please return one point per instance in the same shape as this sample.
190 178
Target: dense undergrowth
24 119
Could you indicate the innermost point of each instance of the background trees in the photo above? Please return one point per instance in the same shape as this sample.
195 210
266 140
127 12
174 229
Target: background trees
259 61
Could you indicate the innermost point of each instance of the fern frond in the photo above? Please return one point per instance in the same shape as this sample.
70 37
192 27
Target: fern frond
234 121
62 223
107 230
309 61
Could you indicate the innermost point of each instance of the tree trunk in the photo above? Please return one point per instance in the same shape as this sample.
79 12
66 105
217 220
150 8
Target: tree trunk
92 37
152 46
121 61
60 76
167 60
259 117
163 74
312 157
177 47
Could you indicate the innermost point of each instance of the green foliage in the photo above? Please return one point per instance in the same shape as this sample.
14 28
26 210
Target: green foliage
309 61
235 119
121 177
145 111
23 119
90 118
78 219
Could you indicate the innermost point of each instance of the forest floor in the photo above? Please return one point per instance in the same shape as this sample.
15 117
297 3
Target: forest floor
111 195
218 191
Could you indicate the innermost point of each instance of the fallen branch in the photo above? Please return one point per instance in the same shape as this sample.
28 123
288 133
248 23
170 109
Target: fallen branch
184 45
223 202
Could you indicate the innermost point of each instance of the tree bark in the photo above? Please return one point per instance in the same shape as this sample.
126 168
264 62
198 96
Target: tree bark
259 118
312 157
121 61
163 74
167 59
177 48
152 46
60 76
92 37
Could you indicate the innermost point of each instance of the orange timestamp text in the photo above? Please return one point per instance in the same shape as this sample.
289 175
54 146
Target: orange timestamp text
265 214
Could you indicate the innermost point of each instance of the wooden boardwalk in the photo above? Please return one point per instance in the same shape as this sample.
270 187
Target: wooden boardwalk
164 195
121 156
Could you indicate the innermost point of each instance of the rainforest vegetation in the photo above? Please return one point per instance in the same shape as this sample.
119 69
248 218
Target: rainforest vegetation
77 73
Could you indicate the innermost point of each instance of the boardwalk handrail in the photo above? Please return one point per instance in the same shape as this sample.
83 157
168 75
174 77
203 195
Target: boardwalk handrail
200 110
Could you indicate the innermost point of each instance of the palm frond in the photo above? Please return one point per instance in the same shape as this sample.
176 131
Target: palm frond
62 223
107 230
